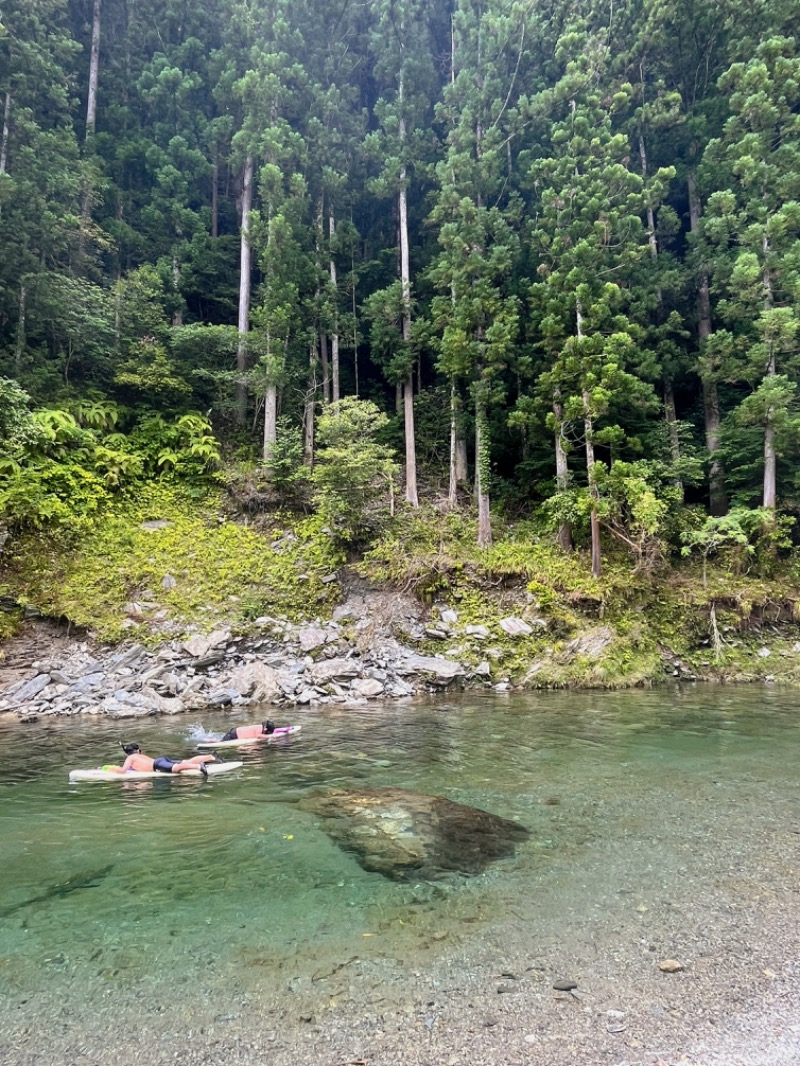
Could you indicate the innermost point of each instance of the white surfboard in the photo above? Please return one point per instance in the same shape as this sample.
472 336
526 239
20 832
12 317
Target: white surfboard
279 734
98 774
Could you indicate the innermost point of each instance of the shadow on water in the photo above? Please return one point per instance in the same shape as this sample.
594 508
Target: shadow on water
90 879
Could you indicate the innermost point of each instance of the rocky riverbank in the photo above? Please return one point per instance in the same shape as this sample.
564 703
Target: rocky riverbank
352 657
377 644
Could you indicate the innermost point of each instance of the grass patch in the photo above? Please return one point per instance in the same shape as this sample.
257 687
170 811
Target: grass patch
194 570
714 628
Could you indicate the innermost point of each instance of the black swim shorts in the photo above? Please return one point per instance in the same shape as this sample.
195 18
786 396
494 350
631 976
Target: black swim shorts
163 764
230 735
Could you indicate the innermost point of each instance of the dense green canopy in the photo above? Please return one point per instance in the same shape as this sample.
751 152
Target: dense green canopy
558 243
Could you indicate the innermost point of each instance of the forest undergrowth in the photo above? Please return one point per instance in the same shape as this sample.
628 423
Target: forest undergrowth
162 564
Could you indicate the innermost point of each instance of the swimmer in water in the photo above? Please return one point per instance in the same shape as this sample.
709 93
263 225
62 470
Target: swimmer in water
144 764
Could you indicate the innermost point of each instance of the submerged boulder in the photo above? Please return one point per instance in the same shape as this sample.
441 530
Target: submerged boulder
402 834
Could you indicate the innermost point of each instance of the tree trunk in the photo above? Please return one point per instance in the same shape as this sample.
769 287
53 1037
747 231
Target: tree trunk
481 459
177 317
770 466
19 347
770 455
651 219
481 471
672 429
91 123
4 142
335 392
562 474
408 391
669 395
244 292
462 465
354 309
405 281
718 498
215 197
595 521
94 70
270 419
588 429
326 368
310 405
452 487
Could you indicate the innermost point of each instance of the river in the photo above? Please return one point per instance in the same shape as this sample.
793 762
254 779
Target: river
191 920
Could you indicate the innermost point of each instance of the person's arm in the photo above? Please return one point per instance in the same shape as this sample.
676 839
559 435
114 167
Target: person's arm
128 764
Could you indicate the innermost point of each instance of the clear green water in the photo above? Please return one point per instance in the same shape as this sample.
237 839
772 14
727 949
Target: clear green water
208 894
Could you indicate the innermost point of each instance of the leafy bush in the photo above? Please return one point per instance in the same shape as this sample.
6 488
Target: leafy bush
58 469
353 475
287 473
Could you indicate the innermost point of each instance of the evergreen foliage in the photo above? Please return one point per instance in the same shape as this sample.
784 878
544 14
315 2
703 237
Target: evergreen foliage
557 245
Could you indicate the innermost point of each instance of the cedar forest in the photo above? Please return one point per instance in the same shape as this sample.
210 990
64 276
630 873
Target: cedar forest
544 252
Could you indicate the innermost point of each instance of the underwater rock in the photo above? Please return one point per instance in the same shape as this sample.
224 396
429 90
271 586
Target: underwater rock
402 834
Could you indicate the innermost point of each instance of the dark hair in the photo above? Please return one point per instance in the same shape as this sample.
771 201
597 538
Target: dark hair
130 749
268 727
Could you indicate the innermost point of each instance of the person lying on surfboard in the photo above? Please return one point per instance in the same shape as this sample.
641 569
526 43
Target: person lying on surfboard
248 732
144 764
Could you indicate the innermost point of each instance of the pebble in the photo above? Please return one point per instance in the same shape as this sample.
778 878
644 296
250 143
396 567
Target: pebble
670 966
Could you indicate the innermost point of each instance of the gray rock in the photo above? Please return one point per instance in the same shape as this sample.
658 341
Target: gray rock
219 637
449 616
89 681
170 682
90 666
31 688
334 669
479 632
170 706
221 697
483 669
515 627
137 707
405 834
256 680
399 689
128 657
197 646
211 659
311 637
158 523
168 582
437 671
589 645
367 687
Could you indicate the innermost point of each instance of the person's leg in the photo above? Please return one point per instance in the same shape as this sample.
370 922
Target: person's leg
192 764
